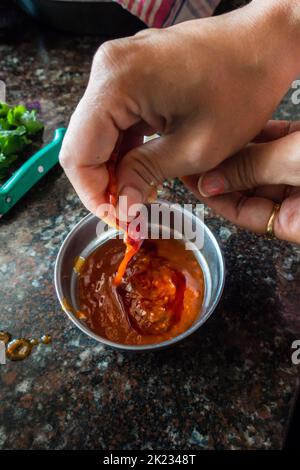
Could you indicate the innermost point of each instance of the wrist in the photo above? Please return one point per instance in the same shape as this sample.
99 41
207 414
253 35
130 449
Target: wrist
278 25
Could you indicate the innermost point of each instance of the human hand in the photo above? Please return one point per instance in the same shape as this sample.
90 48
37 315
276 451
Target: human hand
245 187
208 86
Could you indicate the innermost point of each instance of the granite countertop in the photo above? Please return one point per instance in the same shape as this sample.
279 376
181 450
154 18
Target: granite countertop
231 385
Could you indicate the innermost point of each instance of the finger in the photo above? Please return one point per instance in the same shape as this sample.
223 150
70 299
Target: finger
277 162
287 223
251 213
148 165
91 136
275 192
89 141
142 128
277 129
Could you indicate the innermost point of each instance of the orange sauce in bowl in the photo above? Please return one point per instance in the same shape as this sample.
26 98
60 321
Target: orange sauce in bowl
159 296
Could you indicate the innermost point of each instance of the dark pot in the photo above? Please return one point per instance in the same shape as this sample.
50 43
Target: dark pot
87 17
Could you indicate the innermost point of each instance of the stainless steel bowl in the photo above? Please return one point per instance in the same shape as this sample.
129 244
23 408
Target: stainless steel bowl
83 240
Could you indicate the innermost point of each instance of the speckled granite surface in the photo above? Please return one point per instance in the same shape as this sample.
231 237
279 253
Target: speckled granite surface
231 385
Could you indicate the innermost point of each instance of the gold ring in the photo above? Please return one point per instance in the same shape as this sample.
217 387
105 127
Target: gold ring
270 225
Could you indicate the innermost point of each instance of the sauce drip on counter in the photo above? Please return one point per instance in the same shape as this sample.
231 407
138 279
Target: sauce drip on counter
46 339
158 298
20 348
5 337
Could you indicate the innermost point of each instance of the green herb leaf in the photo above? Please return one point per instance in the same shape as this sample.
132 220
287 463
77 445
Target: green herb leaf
13 141
5 164
4 108
20 116
4 124
16 125
6 161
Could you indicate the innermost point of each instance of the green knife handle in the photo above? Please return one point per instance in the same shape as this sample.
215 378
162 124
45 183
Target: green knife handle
30 172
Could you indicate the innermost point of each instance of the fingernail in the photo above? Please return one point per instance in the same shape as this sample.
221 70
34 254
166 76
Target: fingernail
212 184
128 198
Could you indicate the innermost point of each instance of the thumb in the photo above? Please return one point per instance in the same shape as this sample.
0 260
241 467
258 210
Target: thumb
277 162
145 167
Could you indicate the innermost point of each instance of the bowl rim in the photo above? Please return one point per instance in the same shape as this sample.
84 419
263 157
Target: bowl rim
132 347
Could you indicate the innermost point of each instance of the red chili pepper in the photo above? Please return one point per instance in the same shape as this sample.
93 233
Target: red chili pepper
132 246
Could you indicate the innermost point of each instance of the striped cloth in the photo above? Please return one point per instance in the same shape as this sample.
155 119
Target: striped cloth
162 13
